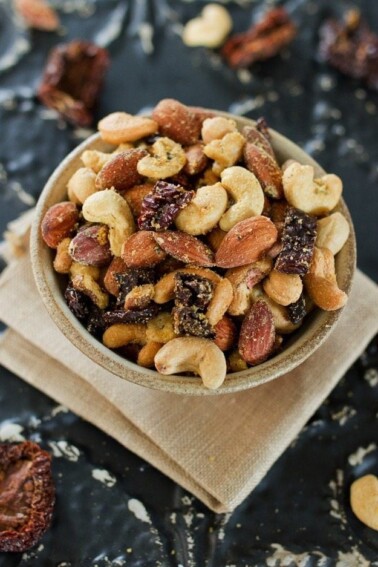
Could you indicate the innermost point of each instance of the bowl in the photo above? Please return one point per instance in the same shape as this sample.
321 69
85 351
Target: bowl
316 328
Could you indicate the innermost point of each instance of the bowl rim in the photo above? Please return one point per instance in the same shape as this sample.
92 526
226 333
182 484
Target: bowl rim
291 357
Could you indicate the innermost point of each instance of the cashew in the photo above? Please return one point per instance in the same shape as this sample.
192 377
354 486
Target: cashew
246 191
321 282
81 270
168 158
147 354
85 283
209 177
209 29
313 196
281 318
139 297
63 260
332 232
244 280
120 127
108 207
216 128
283 288
160 328
193 354
94 159
225 152
220 302
122 334
204 211
164 288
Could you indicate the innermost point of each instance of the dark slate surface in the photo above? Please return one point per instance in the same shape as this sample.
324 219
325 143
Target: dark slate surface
299 515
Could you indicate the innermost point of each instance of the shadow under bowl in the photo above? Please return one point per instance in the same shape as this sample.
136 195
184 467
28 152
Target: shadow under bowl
316 328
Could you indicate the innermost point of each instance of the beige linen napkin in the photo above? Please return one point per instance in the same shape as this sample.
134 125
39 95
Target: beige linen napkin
217 447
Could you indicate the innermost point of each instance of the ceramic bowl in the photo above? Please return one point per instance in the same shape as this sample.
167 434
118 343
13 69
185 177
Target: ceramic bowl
316 328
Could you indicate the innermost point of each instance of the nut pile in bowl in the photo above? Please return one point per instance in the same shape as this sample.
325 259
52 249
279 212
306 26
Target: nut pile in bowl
188 248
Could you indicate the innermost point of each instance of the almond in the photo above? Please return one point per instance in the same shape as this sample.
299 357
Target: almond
246 242
59 222
140 250
257 334
177 121
196 161
225 333
111 283
255 137
185 247
265 168
121 171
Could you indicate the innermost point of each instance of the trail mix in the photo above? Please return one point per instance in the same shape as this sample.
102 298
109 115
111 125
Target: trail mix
188 247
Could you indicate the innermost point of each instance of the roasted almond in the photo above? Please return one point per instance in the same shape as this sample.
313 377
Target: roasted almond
246 242
255 137
265 168
196 160
225 333
257 334
177 121
185 247
111 283
121 172
141 250
59 222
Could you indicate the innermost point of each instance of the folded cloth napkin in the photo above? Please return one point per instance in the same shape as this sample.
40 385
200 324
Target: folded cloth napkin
217 447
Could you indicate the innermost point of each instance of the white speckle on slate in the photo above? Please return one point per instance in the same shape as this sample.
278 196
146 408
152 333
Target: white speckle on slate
11 432
285 558
247 105
21 193
65 450
358 456
139 511
104 476
352 558
146 34
343 415
371 376
59 409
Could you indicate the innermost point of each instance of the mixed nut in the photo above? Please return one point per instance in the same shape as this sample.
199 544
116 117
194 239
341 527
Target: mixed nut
189 248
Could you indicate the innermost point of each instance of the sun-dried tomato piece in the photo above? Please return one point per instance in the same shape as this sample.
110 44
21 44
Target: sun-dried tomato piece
72 80
191 289
77 302
192 295
162 205
298 241
191 322
27 495
297 310
261 41
351 47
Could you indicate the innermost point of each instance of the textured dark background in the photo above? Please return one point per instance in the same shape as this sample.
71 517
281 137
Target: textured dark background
299 514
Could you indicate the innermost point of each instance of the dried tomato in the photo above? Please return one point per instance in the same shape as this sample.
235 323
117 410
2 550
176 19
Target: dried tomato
72 80
27 495
351 47
261 41
162 205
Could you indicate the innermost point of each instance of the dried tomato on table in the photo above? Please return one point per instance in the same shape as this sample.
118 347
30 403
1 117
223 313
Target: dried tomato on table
27 495
72 80
351 47
261 41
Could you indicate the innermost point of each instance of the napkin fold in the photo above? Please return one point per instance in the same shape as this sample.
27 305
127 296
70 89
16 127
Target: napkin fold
216 447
